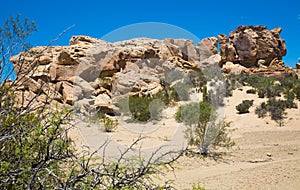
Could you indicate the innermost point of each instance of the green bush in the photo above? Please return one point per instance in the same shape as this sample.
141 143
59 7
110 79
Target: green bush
269 92
276 108
109 124
257 81
244 106
105 82
203 130
144 107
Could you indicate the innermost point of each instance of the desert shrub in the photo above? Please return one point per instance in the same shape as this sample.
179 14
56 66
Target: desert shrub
109 124
268 92
172 94
122 102
288 82
244 106
272 92
139 106
289 94
276 108
257 81
155 108
251 91
209 135
203 130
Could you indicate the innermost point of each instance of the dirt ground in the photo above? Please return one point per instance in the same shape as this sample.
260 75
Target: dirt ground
266 156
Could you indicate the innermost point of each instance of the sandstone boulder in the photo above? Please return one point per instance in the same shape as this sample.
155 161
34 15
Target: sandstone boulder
71 93
231 68
248 44
211 43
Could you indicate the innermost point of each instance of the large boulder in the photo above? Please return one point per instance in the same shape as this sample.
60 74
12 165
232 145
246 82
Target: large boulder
246 45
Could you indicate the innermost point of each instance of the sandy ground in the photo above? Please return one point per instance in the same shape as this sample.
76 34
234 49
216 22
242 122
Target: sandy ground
266 156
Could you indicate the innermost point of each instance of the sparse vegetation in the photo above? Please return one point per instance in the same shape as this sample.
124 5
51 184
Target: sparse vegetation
204 131
276 108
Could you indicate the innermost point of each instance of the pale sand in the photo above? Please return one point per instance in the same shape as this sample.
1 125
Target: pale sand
246 166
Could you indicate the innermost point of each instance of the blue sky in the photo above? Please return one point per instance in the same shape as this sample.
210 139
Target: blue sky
200 18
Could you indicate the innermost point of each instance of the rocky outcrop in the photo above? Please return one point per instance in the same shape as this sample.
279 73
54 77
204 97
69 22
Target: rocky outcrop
248 45
91 72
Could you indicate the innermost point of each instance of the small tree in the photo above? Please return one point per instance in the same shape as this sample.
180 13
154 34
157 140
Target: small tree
204 131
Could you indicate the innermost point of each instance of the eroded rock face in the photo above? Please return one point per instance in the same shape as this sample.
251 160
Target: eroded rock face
246 45
90 72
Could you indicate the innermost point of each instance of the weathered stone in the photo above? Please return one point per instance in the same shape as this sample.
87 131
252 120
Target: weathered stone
71 93
104 104
44 59
86 88
86 39
184 48
92 71
41 71
64 58
231 68
62 72
86 106
298 65
212 60
248 44
261 63
30 84
211 44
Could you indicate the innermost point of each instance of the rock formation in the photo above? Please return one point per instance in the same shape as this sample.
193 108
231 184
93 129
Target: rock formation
91 72
248 45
